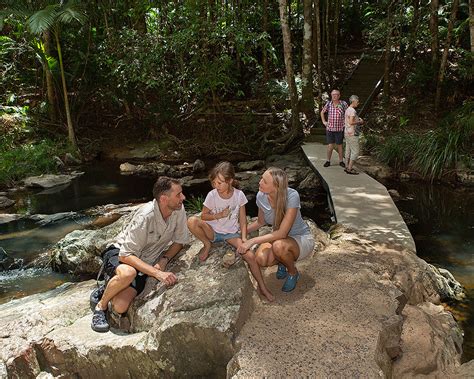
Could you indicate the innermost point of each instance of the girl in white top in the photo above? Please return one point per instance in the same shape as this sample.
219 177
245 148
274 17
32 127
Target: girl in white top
223 212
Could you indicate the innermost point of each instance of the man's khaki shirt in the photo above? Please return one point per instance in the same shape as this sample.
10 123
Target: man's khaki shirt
148 234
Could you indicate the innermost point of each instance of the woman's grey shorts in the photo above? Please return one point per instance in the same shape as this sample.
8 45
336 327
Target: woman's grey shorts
306 244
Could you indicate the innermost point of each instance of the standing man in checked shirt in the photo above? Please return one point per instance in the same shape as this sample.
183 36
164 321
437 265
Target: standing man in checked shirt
336 109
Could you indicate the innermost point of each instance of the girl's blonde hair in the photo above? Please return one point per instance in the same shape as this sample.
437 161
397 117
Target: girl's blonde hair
280 181
226 170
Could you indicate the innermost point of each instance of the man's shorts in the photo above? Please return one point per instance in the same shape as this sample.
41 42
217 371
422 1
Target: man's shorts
306 245
222 237
334 137
111 261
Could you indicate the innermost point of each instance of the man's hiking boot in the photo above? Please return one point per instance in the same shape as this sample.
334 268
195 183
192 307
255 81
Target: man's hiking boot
95 296
99 321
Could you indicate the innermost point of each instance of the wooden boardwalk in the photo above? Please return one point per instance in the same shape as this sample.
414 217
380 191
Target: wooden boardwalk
359 201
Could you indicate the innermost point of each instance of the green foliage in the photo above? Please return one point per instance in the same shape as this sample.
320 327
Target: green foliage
396 150
434 152
421 76
444 147
194 204
28 159
369 141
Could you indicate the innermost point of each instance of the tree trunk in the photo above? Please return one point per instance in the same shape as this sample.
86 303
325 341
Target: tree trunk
414 28
289 64
444 58
70 128
327 33
434 32
319 76
49 78
388 47
307 65
471 23
265 53
336 26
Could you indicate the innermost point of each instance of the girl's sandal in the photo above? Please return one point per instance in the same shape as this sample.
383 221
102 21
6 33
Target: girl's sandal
352 172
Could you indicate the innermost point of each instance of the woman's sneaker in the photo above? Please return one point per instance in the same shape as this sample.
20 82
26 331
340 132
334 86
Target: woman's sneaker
290 283
281 272
95 296
99 321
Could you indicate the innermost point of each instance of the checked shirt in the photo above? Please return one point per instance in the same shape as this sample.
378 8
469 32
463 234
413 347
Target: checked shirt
335 115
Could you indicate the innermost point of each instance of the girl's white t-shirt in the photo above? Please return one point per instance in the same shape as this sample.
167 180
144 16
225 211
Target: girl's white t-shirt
216 204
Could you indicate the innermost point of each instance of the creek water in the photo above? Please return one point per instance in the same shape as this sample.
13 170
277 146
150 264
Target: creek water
443 230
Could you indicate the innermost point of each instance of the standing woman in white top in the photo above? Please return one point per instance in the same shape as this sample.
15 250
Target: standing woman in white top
352 123
223 212
291 239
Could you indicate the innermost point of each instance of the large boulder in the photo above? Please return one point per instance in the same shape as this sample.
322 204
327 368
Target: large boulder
371 167
50 180
183 331
79 251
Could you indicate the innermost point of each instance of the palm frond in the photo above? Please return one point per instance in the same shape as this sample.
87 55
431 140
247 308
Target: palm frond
43 19
71 12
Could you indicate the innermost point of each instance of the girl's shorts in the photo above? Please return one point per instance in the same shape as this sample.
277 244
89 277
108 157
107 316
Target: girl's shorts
222 237
306 244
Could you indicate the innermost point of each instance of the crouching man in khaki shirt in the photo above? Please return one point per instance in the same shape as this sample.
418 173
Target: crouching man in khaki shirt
141 250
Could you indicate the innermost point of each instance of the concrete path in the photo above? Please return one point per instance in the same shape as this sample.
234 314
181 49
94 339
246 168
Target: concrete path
359 201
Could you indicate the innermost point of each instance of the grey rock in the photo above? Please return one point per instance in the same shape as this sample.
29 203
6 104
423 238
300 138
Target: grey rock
465 177
447 286
71 159
198 165
250 165
310 182
248 181
373 168
178 171
405 176
5 202
79 251
49 180
6 218
394 194
128 167
52 218
6 261
155 169
189 181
